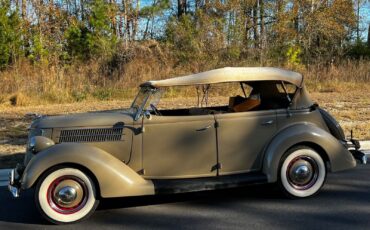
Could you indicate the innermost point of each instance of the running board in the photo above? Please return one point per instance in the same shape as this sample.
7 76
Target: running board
170 186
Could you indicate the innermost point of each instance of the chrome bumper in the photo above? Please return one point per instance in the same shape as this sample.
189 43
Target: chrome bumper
359 155
354 146
14 185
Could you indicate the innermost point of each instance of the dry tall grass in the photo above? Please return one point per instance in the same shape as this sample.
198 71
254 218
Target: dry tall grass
29 84
333 78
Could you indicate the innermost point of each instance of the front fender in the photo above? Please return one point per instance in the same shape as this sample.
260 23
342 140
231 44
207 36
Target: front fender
114 177
339 157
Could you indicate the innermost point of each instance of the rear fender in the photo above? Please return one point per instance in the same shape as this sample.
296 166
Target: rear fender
114 177
339 157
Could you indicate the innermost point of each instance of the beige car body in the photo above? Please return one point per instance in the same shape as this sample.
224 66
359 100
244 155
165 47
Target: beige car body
134 154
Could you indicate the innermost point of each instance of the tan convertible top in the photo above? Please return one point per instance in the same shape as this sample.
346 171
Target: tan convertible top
231 74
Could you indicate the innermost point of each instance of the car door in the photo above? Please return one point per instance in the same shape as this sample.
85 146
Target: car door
241 138
179 146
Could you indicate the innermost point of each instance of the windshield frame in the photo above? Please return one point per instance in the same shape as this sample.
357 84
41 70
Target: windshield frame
139 106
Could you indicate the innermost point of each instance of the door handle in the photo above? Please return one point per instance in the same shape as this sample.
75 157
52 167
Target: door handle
269 122
205 128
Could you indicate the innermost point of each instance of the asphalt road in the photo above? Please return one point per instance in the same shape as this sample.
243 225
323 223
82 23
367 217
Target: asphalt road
344 203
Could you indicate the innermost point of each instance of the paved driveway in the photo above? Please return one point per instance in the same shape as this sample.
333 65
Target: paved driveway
344 203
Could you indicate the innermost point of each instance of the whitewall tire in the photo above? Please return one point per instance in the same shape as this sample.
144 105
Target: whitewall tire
302 172
65 195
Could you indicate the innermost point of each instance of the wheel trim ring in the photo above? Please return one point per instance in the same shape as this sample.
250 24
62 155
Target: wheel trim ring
66 210
313 179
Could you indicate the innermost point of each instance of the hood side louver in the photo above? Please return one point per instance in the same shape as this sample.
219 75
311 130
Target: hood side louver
91 135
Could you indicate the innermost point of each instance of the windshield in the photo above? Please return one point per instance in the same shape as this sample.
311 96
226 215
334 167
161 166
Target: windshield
145 98
140 99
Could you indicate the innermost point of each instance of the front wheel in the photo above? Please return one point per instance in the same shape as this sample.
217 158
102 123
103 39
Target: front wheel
65 195
302 172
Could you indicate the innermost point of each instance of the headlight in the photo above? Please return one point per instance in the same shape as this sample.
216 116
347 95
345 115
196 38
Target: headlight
39 143
39 139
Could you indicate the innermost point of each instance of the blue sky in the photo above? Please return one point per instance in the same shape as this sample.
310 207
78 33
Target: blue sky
365 19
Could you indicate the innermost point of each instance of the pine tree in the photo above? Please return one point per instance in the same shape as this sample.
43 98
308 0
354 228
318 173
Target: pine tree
10 35
100 39
94 38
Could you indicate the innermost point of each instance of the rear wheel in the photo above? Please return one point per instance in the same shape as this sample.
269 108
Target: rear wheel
65 195
302 172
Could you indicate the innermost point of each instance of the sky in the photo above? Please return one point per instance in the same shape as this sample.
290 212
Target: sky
365 19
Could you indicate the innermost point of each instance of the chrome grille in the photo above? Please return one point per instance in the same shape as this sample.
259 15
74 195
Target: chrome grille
91 135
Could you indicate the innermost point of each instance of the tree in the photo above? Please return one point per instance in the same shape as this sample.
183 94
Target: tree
10 35
150 12
100 39
94 39
53 31
181 7
77 44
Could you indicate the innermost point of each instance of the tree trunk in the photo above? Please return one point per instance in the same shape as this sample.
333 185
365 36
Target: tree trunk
358 20
279 9
24 9
112 17
125 29
295 16
248 26
50 17
262 23
82 10
120 27
181 8
135 20
255 25
197 4
146 31
368 37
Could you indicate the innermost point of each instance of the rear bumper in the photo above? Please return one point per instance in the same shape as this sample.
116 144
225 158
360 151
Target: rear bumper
354 147
359 155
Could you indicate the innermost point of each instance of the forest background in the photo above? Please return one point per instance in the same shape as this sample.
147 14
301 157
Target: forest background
67 56
61 51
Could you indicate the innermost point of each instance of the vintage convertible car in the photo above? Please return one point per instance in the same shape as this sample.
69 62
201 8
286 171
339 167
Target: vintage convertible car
274 133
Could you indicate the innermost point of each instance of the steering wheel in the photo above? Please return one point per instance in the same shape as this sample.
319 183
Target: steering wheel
155 110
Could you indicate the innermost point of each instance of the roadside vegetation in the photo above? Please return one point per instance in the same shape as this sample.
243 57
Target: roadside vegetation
72 51
92 55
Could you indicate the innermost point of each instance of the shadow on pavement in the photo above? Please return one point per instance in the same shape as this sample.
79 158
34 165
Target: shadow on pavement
343 204
22 210
18 210
249 192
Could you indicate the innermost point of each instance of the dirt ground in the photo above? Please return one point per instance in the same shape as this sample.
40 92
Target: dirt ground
351 109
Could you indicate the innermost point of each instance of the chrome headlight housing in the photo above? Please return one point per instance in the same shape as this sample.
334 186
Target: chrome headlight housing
31 143
39 139
32 132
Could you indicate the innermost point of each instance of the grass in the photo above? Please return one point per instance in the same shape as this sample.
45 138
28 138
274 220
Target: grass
350 107
28 84
343 90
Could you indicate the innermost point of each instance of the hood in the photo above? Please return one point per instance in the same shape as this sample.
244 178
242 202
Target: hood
93 119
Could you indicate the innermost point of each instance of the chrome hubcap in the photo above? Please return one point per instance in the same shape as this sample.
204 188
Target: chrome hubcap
66 195
302 172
